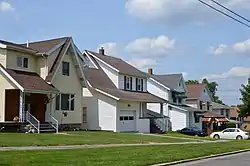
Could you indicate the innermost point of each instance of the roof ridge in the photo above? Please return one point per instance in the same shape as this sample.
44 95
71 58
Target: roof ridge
46 40
104 55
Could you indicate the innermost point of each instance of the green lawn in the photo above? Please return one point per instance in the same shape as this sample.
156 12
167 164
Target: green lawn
79 138
122 156
176 134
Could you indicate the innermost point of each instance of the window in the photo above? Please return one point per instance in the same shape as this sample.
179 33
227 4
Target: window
222 112
227 113
196 118
208 104
201 105
22 62
139 84
65 102
65 68
127 83
179 100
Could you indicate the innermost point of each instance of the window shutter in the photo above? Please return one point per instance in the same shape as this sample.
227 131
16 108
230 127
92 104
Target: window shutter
136 84
131 83
125 82
141 84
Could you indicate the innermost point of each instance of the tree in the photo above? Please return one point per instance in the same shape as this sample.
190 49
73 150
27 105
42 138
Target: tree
190 82
212 86
245 98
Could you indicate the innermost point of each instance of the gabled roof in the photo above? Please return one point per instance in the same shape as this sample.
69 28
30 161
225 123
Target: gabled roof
45 45
219 106
58 59
195 90
119 64
29 81
99 80
170 80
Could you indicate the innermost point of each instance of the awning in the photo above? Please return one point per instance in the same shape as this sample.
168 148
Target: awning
221 120
205 119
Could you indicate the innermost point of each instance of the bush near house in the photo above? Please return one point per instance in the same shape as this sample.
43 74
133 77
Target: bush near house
230 125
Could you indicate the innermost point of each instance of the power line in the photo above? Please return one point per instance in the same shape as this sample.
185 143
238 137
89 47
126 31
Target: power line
225 14
244 18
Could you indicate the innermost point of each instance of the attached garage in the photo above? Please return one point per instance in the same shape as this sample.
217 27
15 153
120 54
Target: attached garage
127 120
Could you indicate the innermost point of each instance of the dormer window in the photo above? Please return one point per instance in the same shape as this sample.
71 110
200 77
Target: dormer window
127 83
139 84
23 62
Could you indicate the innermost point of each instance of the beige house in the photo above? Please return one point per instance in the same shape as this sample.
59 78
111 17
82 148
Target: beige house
41 83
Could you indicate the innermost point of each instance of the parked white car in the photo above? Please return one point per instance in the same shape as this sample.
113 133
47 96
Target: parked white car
230 133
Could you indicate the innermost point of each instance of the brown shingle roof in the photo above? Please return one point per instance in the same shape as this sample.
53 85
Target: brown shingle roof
45 45
57 61
30 81
212 115
195 90
19 47
119 64
170 80
99 80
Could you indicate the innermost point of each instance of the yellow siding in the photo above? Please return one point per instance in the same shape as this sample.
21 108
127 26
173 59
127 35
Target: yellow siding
41 67
3 57
4 84
69 85
12 61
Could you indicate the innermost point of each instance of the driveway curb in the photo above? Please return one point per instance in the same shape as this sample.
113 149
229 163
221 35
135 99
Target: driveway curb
201 158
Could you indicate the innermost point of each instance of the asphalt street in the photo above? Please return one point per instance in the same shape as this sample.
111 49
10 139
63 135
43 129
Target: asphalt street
241 159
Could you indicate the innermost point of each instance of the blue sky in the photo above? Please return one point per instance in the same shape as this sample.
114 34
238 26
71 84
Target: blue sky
170 36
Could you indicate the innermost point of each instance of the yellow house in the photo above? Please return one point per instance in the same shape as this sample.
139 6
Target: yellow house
41 84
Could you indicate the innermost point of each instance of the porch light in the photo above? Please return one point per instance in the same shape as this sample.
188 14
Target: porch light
65 114
129 105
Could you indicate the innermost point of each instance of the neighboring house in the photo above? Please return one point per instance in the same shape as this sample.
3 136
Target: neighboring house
172 88
221 109
234 114
41 82
199 97
116 95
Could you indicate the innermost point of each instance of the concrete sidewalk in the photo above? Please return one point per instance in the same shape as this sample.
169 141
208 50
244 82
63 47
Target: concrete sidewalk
96 146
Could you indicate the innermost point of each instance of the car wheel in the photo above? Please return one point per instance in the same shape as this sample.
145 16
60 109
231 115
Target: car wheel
239 137
216 136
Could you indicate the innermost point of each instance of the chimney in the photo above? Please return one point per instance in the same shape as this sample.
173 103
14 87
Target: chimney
101 51
150 71
27 44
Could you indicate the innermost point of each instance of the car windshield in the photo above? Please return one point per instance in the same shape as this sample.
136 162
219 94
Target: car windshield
195 129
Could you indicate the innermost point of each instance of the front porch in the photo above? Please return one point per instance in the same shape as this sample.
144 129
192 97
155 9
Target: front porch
26 98
28 108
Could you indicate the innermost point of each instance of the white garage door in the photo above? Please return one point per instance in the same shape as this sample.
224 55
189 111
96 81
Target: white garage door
127 121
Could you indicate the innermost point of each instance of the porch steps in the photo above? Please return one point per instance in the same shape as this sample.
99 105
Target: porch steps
46 128
154 128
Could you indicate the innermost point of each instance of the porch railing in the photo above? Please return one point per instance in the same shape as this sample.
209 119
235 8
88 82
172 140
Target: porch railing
33 121
53 122
162 123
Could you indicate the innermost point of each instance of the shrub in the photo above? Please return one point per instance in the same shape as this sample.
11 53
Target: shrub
230 125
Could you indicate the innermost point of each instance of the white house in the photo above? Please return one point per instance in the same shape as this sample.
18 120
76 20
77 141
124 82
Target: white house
172 88
116 95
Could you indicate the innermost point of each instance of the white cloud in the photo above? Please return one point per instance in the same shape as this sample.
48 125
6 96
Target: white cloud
6 7
111 49
178 11
237 48
158 46
233 72
143 63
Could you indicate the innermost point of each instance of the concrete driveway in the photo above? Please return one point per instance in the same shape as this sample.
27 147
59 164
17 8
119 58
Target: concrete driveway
241 159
